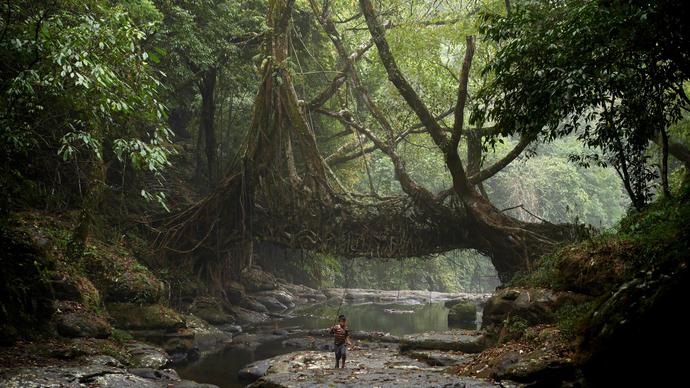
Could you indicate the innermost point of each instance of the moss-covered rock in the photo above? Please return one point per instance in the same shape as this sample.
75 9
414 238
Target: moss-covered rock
82 324
255 279
121 278
74 287
211 309
462 313
512 310
130 316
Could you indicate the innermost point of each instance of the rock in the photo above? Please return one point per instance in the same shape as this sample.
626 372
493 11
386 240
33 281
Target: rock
282 296
119 380
57 376
467 342
255 279
251 303
380 368
123 279
211 309
303 294
155 374
76 288
67 352
462 313
232 329
452 302
147 356
252 341
244 316
439 358
131 316
180 345
191 384
255 370
82 324
207 338
104 360
545 368
525 307
92 375
271 303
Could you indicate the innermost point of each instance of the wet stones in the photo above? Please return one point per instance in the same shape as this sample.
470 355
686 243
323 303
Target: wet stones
468 342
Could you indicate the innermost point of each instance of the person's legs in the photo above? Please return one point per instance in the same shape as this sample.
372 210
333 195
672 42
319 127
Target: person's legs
337 356
343 354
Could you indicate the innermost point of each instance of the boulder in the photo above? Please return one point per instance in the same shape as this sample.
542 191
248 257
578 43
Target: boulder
207 338
104 360
156 374
76 288
251 303
439 358
146 356
271 303
82 324
255 279
210 309
243 316
529 306
131 316
255 370
462 313
468 342
123 279
546 368
283 296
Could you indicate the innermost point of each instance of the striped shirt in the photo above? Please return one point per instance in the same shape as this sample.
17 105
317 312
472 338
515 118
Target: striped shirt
340 334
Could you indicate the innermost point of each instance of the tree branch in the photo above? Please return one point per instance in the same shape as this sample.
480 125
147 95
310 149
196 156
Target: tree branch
462 96
397 78
502 163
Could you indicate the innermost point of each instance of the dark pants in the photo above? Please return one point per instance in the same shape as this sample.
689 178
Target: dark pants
340 352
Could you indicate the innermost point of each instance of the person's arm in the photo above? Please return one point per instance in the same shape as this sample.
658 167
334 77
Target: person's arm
347 339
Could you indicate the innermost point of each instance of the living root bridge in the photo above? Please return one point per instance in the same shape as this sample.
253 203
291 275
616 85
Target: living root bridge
281 189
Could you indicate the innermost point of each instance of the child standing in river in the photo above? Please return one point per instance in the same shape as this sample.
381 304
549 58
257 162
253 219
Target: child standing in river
341 340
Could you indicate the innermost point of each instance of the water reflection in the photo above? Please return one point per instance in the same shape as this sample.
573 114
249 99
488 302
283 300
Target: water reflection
373 317
221 369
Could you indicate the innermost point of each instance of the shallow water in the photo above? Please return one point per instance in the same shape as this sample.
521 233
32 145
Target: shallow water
221 369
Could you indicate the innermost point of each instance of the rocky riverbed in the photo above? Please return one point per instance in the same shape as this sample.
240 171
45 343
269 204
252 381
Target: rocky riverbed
140 344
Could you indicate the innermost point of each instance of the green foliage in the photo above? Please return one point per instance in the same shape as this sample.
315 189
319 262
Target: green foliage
120 336
78 84
554 76
661 231
515 326
570 318
552 188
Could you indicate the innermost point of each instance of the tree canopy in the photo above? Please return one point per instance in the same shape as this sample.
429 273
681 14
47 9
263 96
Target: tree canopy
407 127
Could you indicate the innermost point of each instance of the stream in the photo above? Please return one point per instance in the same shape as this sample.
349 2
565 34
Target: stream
221 368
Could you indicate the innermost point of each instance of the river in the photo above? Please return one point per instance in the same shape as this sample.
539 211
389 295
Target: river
221 368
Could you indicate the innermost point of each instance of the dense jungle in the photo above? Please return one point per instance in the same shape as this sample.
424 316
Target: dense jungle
494 193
